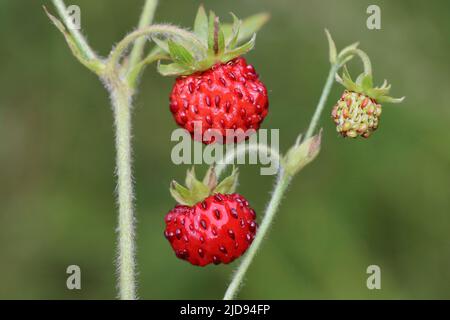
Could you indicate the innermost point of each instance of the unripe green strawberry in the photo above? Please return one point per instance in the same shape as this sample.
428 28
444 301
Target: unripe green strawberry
358 111
356 114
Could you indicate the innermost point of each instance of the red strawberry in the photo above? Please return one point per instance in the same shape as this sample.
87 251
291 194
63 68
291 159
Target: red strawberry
211 223
227 96
217 230
215 87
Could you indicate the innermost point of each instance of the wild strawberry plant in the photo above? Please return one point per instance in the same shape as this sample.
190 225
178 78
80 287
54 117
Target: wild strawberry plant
215 86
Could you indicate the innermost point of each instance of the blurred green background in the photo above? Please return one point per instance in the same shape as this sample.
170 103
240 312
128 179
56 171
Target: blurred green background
382 201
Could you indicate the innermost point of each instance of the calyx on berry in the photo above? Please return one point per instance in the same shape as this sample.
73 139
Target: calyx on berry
216 43
364 85
196 190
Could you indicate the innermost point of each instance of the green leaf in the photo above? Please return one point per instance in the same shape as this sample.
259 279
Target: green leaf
201 25
249 26
240 50
332 45
180 54
173 69
233 38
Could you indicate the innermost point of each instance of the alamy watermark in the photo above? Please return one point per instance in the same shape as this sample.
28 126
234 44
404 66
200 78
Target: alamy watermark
74 17
73 281
373 22
224 150
374 280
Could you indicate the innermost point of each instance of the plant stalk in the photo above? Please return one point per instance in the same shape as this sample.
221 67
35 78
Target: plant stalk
321 104
148 12
121 102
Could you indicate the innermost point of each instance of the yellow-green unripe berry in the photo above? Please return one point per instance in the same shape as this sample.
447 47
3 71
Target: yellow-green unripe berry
356 114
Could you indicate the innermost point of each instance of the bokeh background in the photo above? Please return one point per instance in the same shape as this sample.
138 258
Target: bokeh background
382 201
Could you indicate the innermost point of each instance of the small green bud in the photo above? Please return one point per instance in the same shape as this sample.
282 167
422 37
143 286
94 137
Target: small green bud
302 154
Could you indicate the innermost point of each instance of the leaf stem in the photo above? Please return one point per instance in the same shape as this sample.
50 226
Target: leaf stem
79 38
148 12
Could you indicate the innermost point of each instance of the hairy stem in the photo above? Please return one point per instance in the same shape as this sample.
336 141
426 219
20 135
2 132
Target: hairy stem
154 29
121 101
323 99
146 19
79 39
272 207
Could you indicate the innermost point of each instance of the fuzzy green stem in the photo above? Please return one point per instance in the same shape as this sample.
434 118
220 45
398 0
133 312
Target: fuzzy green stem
121 101
323 99
78 37
134 73
277 195
154 29
148 12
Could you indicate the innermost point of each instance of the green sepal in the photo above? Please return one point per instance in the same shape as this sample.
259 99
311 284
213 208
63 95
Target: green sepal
196 191
332 48
216 39
211 43
181 194
364 85
173 69
194 185
232 40
211 34
366 82
210 179
348 82
246 47
248 27
229 184
180 54
162 44
201 25
388 99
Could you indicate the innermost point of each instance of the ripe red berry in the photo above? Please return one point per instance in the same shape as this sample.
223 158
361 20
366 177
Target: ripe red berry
216 230
227 96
